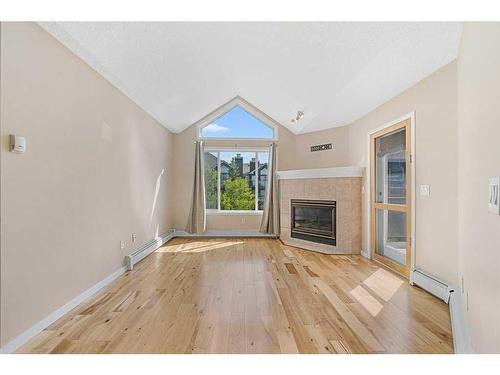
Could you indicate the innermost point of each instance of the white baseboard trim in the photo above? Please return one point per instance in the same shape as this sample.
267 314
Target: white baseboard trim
24 337
460 332
452 296
140 253
148 248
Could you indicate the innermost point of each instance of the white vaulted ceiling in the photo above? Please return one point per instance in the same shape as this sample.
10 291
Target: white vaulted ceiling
335 72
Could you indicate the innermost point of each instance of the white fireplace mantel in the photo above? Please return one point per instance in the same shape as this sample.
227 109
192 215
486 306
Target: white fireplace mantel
321 173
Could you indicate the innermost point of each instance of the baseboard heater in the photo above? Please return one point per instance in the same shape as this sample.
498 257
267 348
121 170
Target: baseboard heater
147 249
452 296
432 284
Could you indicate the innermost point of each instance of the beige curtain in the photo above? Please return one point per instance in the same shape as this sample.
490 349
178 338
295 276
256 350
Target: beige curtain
197 217
271 217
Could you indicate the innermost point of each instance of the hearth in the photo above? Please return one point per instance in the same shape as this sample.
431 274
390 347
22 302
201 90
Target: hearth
314 220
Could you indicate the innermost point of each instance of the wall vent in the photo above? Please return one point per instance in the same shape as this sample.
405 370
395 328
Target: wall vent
326 146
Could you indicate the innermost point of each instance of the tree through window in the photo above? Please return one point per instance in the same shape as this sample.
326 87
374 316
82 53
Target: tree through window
236 180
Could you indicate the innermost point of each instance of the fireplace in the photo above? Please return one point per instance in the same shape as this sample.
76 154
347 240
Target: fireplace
314 220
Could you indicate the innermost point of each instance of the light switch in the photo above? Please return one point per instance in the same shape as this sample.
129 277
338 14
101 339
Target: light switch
494 194
425 190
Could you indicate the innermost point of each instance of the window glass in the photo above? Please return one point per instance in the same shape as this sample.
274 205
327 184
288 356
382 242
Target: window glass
390 168
391 235
235 180
237 123
236 191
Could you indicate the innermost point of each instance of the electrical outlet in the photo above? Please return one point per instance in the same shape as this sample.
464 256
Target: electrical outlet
134 237
122 245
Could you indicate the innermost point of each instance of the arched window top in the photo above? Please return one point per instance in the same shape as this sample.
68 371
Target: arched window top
237 119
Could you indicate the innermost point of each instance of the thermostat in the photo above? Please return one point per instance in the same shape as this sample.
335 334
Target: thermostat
17 144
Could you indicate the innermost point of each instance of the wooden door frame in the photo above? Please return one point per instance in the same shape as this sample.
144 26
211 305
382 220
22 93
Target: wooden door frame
410 184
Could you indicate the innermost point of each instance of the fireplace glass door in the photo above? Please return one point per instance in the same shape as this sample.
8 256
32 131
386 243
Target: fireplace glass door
313 220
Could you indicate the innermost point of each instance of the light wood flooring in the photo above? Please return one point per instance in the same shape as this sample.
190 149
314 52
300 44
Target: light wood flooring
252 296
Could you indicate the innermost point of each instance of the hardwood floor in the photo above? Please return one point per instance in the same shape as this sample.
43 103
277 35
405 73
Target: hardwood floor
252 296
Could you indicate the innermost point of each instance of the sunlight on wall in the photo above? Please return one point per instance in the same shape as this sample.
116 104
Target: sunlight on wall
157 190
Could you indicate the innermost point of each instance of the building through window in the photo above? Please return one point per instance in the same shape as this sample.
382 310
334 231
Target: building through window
236 178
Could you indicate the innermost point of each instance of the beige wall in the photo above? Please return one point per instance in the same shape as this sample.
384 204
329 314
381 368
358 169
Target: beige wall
434 102
184 170
88 179
479 159
337 157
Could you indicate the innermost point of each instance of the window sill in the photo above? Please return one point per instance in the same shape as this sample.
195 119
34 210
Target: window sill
229 213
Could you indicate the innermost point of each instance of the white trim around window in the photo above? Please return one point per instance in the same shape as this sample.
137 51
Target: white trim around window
218 150
235 149
213 212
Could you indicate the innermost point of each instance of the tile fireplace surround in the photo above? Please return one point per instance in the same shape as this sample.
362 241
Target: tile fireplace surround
342 185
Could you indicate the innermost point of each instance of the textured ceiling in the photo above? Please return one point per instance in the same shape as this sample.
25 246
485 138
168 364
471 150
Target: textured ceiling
335 72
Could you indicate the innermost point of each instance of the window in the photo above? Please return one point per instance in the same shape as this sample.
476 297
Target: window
235 180
237 123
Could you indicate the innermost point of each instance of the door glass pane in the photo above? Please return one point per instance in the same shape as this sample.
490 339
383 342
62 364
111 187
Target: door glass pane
211 163
391 235
390 167
237 191
262 176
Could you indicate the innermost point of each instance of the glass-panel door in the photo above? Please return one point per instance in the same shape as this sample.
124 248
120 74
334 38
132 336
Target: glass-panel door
391 196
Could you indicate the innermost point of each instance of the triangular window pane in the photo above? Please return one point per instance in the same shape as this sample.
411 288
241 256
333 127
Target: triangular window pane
237 123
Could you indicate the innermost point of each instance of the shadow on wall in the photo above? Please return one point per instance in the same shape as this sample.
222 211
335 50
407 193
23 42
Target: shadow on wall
146 165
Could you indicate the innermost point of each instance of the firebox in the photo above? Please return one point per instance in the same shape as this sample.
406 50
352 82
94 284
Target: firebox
314 220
